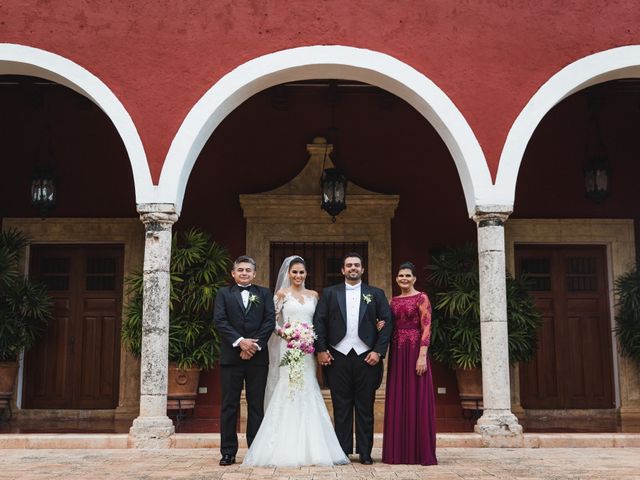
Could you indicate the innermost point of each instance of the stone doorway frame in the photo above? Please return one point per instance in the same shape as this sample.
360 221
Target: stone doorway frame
291 213
272 218
128 232
618 237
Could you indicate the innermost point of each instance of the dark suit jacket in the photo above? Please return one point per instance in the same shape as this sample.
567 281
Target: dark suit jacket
330 319
233 322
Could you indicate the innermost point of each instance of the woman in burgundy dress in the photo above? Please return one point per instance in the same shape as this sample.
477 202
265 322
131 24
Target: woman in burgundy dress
409 414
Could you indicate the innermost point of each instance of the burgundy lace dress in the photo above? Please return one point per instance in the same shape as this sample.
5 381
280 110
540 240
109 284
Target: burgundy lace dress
409 414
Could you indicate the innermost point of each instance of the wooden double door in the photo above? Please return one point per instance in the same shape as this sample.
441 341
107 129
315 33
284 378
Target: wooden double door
76 363
573 366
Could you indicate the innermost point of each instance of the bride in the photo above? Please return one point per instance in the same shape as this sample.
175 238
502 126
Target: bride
296 429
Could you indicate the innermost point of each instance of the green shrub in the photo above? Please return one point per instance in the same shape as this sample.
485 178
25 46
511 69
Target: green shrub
455 293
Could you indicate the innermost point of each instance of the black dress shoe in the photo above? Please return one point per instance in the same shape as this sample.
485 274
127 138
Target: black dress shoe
227 460
366 459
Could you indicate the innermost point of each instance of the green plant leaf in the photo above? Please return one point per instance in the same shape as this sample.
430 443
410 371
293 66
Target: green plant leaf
25 306
627 292
455 287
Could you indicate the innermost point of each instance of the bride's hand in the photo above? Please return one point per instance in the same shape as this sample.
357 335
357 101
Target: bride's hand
324 358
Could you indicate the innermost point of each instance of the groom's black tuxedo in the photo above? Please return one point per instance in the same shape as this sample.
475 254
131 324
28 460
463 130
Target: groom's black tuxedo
352 381
234 321
330 320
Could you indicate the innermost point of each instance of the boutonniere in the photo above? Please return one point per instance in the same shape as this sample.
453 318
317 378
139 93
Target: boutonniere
366 298
254 299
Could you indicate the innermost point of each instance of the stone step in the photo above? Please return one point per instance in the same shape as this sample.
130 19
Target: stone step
212 440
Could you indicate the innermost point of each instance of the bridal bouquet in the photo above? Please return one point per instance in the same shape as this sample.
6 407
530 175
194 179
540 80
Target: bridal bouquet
299 337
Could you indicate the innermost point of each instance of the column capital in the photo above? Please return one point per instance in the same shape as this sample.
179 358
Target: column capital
157 216
492 215
158 220
156 207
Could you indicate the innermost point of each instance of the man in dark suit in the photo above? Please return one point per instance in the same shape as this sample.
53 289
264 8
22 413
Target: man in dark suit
244 315
350 348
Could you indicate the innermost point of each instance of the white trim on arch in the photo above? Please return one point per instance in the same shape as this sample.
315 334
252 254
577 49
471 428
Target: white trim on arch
621 62
326 62
23 60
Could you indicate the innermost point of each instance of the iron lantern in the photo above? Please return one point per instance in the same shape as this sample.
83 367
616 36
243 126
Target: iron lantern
333 186
43 189
597 179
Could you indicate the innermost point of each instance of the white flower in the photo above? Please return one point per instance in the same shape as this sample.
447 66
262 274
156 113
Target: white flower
367 298
254 299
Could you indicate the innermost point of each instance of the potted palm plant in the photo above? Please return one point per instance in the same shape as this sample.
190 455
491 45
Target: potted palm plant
199 267
455 288
627 290
25 308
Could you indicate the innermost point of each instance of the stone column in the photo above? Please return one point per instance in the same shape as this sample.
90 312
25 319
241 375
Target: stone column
152 428
498 426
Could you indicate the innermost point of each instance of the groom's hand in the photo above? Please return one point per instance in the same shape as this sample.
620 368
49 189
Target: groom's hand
245 355
324 358
249 345
372 358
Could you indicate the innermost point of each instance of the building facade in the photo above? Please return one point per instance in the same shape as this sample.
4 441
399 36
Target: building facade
458 121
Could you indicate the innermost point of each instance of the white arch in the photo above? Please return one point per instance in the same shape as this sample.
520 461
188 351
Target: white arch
621 62
325 62
23 60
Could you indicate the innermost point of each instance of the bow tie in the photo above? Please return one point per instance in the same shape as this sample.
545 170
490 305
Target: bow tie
242 288
352 287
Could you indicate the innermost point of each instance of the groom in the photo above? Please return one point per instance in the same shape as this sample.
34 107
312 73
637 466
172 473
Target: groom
245 317
351 350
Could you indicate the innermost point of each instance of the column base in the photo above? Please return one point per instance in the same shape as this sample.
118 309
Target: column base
500 428
151 432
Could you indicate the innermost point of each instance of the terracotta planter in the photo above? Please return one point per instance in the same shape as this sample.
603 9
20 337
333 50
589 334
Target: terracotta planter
8 374
183 388
470 388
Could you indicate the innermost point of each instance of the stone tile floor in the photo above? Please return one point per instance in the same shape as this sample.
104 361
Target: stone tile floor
201 464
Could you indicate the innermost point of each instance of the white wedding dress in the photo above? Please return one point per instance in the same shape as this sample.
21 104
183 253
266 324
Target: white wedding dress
296 429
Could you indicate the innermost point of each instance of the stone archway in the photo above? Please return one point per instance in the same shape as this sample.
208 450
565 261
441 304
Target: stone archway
327 62
621 62
23 60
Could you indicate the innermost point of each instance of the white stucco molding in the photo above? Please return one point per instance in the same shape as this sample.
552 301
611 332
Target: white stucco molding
326 62
621 62
23 60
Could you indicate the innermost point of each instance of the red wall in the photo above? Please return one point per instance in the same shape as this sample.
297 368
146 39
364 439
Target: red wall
159 57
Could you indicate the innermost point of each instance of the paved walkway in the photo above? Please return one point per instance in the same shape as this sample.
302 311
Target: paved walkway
201 464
